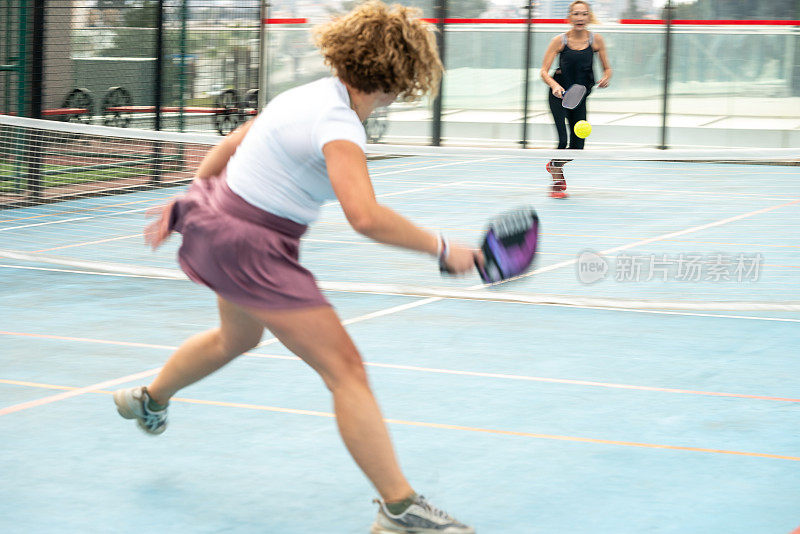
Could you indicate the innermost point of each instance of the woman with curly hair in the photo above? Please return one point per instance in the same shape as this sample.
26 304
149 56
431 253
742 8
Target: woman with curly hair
252 199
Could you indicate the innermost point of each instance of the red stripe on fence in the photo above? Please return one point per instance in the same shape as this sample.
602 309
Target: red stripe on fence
714 22
446 21
285 21
564 21
64 111
497 21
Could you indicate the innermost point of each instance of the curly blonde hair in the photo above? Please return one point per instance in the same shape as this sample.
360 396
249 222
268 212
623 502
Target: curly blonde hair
380 48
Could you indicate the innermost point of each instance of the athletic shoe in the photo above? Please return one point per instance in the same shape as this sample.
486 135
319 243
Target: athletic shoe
132 404
558 189
419 518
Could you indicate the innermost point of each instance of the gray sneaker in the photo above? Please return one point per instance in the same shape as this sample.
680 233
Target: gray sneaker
420 518
132 404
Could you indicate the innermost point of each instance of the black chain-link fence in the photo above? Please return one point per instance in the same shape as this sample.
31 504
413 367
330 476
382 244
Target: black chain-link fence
168 64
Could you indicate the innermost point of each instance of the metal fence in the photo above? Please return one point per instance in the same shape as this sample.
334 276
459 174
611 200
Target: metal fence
163 64
172 64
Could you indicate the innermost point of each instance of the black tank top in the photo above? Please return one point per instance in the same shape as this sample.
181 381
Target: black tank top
576 65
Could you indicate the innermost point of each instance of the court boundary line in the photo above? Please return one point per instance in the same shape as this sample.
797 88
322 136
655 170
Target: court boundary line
76 392
508 185
533 300
421 186
551 267
446 426
96 215
654 239
458 372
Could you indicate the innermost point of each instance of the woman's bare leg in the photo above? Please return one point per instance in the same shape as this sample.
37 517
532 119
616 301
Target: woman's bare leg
317 336
204 353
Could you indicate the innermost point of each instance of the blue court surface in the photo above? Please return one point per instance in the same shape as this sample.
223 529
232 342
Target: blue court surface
656 398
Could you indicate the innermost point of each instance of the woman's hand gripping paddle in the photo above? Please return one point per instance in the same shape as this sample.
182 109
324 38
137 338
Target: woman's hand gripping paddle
509 246
573 96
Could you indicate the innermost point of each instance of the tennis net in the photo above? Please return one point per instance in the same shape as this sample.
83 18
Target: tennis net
642 229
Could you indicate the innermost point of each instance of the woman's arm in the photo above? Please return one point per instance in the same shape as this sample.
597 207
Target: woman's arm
550 54
347 170
601 51
217 158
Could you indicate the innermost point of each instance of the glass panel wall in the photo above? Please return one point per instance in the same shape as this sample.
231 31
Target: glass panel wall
734 76
731 83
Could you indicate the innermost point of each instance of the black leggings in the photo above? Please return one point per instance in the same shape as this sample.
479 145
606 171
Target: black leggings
562 114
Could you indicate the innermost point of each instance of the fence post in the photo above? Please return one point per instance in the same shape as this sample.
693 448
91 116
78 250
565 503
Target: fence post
158 81
440 13
182 76
22 56
33 155
667 54
528 54
37 59
263 56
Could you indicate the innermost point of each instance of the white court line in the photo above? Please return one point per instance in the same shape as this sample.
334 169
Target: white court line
44 223
76 392
415 190
380 313
415 368
151 372
537 187
422 302
424 188
94 273
649 240
86 243
449 164
114 214
376 291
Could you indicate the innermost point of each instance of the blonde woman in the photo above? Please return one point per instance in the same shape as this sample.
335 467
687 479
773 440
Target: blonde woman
575 50
254 195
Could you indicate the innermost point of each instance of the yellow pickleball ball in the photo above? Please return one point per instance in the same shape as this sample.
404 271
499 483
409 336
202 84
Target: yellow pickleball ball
583 129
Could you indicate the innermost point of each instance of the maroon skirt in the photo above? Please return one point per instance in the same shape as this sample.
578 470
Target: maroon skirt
243 253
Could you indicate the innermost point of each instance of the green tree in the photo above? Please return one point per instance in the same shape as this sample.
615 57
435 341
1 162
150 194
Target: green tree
132 39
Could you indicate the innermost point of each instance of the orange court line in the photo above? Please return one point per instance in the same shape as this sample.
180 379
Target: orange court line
479 374
676 240
85 243
80 210
89 340
443 426
74 392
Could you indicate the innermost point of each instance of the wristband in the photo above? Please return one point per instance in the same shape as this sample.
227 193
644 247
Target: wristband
442 252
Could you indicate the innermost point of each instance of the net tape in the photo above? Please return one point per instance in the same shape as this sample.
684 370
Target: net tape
785 155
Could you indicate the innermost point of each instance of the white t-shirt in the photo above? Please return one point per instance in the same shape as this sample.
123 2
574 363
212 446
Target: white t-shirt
279 166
